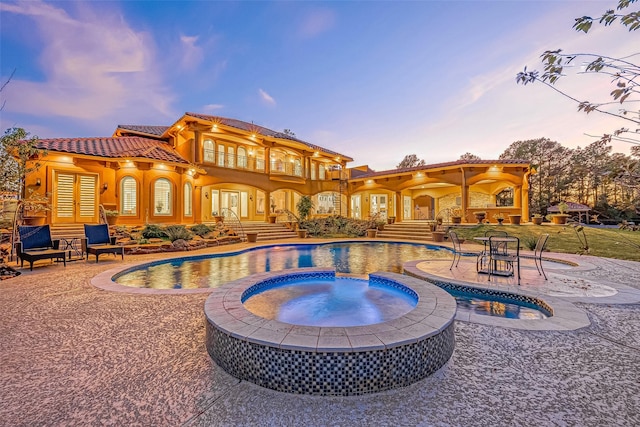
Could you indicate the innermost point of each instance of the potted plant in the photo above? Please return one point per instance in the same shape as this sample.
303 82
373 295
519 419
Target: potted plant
380 224
562 217
515 219
456 215
480 216
159 207
438 220
391 220
35 207
112 216
536 219
372 233
499 217
304 207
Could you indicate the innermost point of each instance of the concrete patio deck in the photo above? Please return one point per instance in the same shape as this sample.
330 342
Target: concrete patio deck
73 354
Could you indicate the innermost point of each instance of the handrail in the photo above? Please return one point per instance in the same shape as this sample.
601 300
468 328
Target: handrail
102 215
290 215
233 220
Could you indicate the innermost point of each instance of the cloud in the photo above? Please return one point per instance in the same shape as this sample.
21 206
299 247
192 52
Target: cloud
316 22
266 97
211 108
192 55
95 67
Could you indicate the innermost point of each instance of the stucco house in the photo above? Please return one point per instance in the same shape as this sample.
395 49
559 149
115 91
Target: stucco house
189 171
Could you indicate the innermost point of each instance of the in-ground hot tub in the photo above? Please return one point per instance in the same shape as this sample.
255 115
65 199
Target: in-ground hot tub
330 360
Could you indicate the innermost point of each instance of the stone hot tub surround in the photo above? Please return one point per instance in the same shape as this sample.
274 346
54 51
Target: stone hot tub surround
340 361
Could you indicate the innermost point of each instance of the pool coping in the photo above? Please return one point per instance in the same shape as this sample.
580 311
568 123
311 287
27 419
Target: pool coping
434 312
566 316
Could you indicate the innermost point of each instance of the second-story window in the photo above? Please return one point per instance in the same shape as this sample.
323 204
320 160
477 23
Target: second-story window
221 149
313 170
297 167
208 151
242 158
231 157
321 172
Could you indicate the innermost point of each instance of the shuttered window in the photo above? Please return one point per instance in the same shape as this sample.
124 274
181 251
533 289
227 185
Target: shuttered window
129 196
87 200
188 206
64 196
162 197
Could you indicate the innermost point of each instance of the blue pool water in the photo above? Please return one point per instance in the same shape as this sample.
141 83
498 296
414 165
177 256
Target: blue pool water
337 301
211 271
356 258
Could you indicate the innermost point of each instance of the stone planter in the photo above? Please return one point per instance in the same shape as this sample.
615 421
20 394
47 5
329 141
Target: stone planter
112 219
456 219
391 220
34 220
372 233
438 236
480 217
515 219
252 237
272 219
381 226
559 219
537 220
302 233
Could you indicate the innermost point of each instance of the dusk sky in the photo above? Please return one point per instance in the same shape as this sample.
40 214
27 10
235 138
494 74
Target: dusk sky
372 80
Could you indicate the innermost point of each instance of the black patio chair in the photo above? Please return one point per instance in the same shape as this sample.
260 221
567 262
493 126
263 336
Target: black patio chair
457 249
36 243
99 242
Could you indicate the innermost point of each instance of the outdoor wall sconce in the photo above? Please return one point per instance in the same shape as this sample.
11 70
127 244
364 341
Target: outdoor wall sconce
251 197
206 194
38 182
105 186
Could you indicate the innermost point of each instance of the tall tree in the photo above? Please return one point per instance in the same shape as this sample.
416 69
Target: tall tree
409 161
20 156
469 156
623 74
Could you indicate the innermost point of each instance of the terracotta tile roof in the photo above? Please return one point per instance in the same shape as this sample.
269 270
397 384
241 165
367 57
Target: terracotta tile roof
444 165
114 147
149 130
250 127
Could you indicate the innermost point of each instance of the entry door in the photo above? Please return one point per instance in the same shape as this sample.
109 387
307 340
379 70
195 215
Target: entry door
406 211
230 201
75 198
355 207
378 205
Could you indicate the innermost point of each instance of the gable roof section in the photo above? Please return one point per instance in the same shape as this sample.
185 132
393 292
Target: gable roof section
154 131
114 147
250 127
443 165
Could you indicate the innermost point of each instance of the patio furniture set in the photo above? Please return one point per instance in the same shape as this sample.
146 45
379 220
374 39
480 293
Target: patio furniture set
500 255
36 244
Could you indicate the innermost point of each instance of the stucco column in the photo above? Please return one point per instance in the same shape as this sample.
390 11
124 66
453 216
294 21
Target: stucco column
398 207
267 163
267 205
517 197
464 193
197 204
195 147
525 195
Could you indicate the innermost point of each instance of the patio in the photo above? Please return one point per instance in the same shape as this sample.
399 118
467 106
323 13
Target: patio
73 354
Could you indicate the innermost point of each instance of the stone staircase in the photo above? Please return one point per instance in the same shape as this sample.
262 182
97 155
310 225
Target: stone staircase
268 231
409 229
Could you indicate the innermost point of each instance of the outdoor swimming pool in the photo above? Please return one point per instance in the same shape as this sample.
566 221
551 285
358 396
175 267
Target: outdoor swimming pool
351 257
212 271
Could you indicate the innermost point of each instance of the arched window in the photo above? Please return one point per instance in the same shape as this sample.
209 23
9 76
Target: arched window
129 199
321 172
209 151
162 197
297 167
242 157
505 197
188 203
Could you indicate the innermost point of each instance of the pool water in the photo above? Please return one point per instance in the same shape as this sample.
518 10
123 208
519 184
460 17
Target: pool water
212 271
337 301
496 307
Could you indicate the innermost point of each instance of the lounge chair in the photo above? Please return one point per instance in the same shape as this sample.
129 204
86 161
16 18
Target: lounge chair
36 243
99 242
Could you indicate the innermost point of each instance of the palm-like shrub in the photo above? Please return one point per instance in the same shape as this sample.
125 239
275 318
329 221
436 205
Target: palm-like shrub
177 232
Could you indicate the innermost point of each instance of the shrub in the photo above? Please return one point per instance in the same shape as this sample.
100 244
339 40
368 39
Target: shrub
201 230
152 231
177 232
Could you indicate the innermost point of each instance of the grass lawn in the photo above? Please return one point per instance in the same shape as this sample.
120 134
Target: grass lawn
602 242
